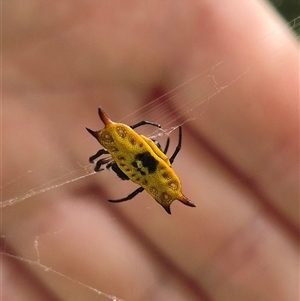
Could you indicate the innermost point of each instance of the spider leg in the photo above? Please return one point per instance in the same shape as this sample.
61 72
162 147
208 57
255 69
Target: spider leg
113 165
129 197
167 145
98 154
98 166
101 162
109 165
178 147
117 170
145 122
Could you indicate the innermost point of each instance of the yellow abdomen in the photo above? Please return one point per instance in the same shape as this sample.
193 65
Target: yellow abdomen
142 161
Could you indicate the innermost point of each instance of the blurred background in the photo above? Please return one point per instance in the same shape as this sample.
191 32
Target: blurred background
289 9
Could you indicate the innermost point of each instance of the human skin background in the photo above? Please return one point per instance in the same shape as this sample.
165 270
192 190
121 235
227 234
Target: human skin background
239 161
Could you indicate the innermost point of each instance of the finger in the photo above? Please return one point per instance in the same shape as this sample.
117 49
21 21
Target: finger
171 230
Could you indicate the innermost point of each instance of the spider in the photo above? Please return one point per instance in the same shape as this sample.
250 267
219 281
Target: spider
139 159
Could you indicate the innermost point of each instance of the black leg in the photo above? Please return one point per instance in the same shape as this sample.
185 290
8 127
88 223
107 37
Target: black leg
109 165
98 154
129 197
178 146
101 162
98 166
167 145
118 171
143 123
113 165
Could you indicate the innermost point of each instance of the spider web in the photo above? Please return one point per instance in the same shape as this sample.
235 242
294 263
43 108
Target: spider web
192 101
68 175
191 108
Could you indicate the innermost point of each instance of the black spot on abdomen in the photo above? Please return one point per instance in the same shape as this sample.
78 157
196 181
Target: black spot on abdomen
147 161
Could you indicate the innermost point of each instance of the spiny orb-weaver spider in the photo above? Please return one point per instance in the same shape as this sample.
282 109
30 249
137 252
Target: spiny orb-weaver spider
139 159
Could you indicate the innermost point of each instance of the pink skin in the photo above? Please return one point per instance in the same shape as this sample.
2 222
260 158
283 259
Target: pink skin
238 164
